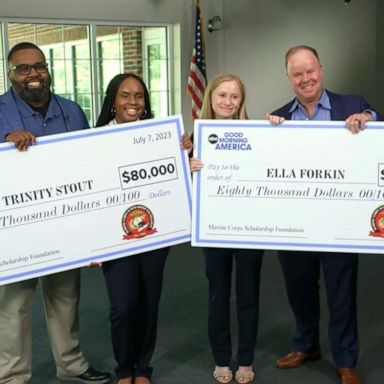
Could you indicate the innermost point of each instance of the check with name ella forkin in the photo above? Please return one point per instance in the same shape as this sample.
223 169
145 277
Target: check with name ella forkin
298 186
92 195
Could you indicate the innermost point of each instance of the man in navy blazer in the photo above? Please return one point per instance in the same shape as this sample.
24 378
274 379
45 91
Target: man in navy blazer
342 107
302 269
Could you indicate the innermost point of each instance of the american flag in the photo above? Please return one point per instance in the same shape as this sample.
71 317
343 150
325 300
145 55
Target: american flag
197 79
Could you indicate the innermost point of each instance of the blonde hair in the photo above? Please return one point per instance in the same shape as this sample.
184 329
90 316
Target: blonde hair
206 109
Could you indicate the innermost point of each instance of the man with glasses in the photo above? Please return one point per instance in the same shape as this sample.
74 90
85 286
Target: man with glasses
29 109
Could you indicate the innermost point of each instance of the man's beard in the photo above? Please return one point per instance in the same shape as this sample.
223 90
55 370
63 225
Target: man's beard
35 94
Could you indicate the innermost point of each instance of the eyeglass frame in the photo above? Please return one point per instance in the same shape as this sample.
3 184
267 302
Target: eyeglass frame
43 68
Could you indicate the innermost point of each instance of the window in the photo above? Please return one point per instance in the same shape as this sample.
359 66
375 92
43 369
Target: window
155 68
84 58
110 53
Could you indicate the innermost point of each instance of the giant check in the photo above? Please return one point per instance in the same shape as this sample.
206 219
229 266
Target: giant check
92 195
299 186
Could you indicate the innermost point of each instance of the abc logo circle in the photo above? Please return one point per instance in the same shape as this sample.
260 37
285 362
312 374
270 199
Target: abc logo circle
213 138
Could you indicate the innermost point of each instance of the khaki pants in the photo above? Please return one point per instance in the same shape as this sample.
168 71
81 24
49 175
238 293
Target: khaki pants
60 293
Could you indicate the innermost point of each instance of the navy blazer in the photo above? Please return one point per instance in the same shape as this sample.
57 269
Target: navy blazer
342 106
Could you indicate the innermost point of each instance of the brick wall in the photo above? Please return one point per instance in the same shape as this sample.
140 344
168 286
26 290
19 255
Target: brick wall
132 50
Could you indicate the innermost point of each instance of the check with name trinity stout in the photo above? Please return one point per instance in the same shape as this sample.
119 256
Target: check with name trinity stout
92 195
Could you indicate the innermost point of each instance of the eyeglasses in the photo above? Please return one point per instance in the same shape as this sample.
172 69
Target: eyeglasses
25 69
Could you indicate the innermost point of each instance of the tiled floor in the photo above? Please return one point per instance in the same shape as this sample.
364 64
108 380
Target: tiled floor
182 354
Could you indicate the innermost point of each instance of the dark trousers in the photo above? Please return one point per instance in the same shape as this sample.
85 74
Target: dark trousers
134 287
219 271
302 273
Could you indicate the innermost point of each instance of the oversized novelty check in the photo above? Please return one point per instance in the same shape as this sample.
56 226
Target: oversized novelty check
299 186
92 195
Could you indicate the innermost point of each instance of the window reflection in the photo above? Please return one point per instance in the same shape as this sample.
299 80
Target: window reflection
141 50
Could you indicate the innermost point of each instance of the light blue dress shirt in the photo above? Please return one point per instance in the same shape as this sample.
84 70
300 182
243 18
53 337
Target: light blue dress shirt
322 110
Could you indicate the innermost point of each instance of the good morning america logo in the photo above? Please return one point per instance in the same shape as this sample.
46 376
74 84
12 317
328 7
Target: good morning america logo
230 141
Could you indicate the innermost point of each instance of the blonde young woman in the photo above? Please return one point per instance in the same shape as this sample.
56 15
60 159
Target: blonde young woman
224 98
